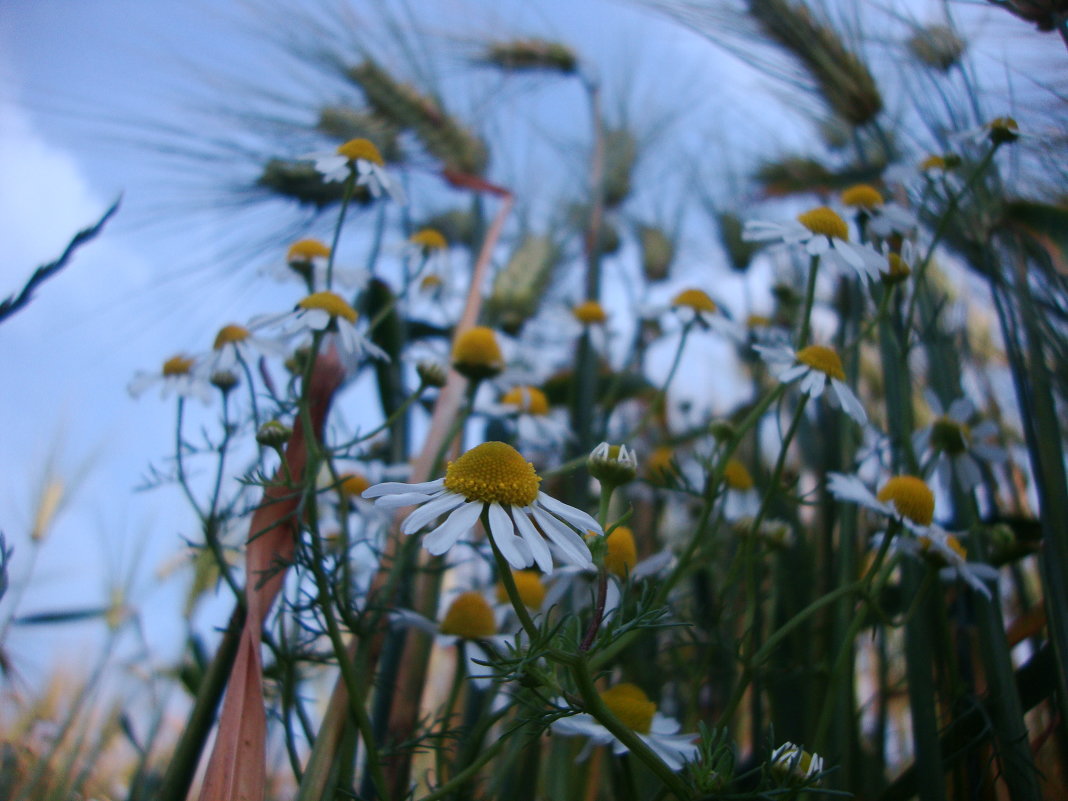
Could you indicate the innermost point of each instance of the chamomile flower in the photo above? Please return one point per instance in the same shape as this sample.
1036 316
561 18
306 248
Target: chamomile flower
880 217
814 367
307 260
905 498
235 343
635 711
741 498
535 425
180 375
361 158
493 480
325 312
790 763
612 465
823 233
590 312
954 446
469 623
951 557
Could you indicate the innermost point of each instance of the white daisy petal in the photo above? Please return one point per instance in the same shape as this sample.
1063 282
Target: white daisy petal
850 403
579 519
431 511
502 530
399 487
538 547
455 526
561 535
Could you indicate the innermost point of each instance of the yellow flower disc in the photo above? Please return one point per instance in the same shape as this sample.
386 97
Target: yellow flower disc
590 312
695 299
352 484
950 436
632 706
622 553
429 239
361 150
331 303
177 365
757 321
933 163
822 220
469 617
658 465
737 476
430 282
527 399
493 472
823 359
477 347
899 269
307 249
864 196
230 334
528 583
911 497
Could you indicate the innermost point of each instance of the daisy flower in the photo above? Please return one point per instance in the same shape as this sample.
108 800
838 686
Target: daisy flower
235 343
468 621
359 157
741 498
814 366
529 408
955 447
823 233
325 312
905 498
590 312
180 375
635 711
308 260
476 353
492 481
947 552
881 218
612 465
790 763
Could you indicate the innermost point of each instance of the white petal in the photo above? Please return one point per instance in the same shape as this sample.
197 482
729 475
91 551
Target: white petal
575 517
850 403
573 546
455 526
960 410
431 511
398 487
538 547
502 530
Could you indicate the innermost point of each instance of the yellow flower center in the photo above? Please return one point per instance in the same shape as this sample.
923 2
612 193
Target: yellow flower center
950 436
177 365
951 542
822 220
622 554
757 321
590 312
632 706
331 303
899 268
230 334
737 476
1003 129
477 347
863 196
361 150
911 497
307 249
527 399
695 299
658 465
429 239
493 472
352 484
469 617
528 583
823 359
430 282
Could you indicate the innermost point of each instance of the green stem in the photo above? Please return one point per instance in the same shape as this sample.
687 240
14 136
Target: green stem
810 300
